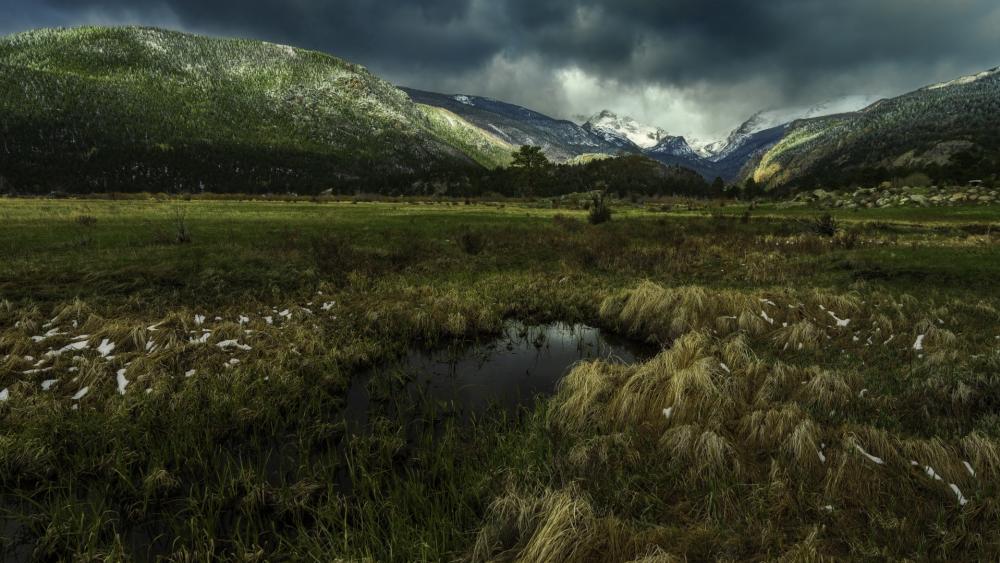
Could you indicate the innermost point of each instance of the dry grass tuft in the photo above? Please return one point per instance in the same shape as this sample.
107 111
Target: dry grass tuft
801 335
552 526
708 457
983 453
827 389
585 392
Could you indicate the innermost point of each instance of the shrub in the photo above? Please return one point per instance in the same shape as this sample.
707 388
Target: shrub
825 226
599 210
471 242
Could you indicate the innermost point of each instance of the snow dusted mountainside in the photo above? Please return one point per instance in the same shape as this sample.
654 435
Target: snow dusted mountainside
616 129
947 131
965 79
780 117
560 140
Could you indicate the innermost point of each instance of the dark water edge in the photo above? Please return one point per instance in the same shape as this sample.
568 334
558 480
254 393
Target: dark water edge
504 373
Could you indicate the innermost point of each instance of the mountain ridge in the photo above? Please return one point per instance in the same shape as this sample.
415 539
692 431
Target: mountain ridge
102 108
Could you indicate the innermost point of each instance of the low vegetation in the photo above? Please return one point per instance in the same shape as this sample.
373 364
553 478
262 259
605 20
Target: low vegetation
810 398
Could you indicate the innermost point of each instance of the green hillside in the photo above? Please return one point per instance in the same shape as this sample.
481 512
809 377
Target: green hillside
101 109
950 131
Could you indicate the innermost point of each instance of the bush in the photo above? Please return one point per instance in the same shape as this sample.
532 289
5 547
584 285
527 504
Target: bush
825 226
599 210
471 242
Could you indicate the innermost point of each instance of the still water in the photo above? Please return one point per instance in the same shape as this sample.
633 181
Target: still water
506 372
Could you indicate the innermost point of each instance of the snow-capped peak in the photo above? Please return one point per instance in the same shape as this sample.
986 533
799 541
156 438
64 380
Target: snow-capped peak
608 123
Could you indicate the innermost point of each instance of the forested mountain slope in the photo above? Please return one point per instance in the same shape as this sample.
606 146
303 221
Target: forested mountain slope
105 109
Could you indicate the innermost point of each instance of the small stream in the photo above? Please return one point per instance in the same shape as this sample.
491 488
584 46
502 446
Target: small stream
506 372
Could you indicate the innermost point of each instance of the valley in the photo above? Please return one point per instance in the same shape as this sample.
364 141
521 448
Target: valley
260 303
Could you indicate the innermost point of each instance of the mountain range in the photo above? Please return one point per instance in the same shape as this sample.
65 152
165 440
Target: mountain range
113 108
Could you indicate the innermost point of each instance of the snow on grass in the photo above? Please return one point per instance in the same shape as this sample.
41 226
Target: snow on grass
201 339
931 473
233 344
725 367
871 458
71 347
919 343
328 305
968 467
47 335
840 322
668 412
962 501
763 315
48 383
822 457
122 381
5 394
80 394
190 372
106 347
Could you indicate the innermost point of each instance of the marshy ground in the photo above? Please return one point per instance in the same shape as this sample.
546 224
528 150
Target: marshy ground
175 375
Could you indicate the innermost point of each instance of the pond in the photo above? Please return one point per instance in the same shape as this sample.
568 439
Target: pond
505 372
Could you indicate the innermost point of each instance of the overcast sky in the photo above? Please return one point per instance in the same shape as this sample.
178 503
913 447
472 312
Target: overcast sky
695 67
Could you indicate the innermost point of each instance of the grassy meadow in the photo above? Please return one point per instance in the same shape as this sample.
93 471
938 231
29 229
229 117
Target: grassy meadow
173 375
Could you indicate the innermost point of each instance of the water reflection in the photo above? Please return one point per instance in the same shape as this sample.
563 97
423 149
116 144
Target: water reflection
506 372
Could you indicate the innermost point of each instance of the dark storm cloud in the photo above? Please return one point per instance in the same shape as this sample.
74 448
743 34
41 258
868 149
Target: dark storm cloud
709 61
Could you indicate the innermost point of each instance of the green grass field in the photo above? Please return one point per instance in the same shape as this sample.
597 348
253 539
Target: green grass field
174 375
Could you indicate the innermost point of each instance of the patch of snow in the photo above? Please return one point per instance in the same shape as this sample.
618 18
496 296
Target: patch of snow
962 501
233 344
201 339
5 394
725 367
48 383
106 347
463 99
840 321
74 346
919 344
873 459
667 412
80 394
122 381
968 467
